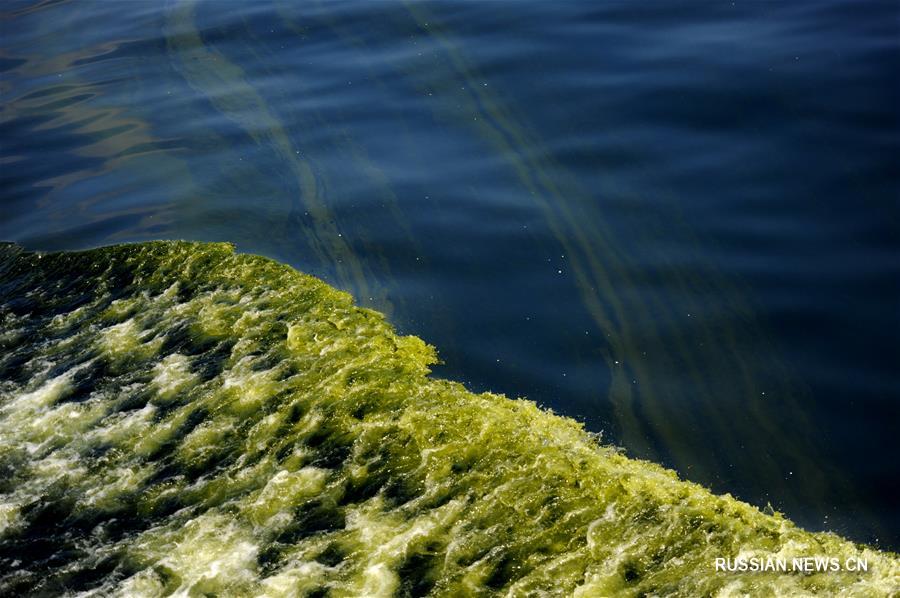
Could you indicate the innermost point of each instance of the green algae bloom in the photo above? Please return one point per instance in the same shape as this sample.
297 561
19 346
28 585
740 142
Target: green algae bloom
179 419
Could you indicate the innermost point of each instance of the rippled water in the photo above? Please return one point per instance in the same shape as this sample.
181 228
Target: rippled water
676 224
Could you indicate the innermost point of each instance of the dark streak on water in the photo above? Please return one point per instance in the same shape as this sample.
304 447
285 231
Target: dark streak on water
675 223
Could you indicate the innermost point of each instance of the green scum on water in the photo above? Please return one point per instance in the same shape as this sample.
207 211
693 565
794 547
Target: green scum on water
179 419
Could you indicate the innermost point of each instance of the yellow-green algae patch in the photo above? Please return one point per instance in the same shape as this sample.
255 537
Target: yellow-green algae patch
179 419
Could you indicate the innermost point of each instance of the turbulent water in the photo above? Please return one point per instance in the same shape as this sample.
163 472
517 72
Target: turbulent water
178 418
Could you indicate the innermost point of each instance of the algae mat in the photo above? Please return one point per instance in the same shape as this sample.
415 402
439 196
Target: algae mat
176 418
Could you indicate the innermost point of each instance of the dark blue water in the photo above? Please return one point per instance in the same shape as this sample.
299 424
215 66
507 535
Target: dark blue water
676 223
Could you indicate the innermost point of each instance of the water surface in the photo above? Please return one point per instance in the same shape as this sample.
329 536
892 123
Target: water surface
675 224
